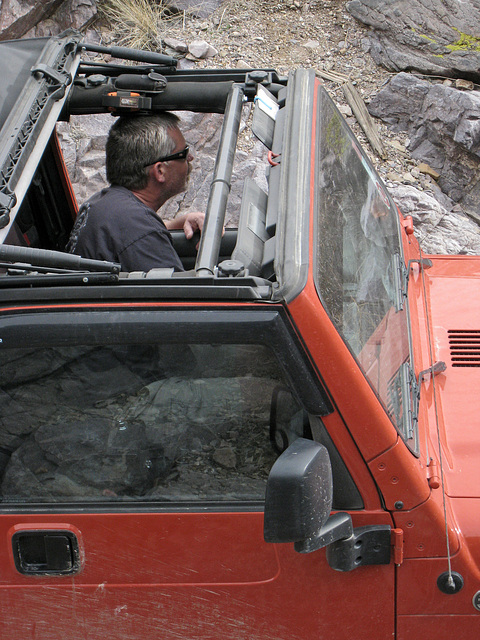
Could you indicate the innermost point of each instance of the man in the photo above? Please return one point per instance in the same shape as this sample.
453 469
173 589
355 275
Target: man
147 162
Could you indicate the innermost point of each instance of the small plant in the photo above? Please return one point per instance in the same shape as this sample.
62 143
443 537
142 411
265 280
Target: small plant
137 24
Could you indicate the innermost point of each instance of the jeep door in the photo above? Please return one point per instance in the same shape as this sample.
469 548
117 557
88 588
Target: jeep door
135 444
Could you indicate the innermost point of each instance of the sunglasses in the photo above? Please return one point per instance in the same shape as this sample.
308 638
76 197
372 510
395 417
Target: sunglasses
179 155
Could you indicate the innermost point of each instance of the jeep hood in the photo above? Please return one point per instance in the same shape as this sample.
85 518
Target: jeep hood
453 293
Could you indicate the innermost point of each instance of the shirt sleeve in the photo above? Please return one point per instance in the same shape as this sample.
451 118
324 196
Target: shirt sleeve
154 250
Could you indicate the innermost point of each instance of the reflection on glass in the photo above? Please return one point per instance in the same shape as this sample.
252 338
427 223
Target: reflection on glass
136 422
358 250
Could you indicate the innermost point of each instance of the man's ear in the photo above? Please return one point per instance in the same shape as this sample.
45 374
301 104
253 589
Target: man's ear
158 171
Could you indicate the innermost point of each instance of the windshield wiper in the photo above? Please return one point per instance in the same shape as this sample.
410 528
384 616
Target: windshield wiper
400 276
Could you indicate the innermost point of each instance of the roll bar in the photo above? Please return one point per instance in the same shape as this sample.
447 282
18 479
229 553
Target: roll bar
220 188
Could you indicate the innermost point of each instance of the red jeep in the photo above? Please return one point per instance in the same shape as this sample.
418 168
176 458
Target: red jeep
280 442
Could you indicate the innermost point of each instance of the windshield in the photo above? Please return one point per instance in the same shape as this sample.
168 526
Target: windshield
358 261
18 58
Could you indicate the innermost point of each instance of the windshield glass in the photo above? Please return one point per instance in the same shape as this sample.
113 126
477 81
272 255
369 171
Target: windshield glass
18 57
357 260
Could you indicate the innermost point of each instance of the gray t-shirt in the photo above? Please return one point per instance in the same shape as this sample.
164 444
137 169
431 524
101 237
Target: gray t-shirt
116 226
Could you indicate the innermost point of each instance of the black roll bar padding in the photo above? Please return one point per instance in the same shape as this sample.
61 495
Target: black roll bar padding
202 97
54 259
124 53
217 201
147 82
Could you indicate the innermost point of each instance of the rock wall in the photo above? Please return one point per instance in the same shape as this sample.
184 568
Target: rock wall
444 128
70 14
438 37
440 229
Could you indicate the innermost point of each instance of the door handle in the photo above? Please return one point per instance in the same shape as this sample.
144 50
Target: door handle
51 552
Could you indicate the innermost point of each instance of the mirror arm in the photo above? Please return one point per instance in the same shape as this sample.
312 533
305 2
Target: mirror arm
338 527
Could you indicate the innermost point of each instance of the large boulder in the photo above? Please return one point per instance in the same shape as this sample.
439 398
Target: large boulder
437 37
444 128
440 229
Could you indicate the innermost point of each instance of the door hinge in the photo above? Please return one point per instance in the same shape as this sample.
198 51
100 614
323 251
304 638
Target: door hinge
397 544
367 545
433 475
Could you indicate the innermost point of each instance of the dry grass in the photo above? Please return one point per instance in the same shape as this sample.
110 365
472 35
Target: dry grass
138 24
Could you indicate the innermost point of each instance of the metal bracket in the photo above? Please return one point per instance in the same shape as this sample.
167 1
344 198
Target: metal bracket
423 263
337 527
402 273
366 545
61 80
434 370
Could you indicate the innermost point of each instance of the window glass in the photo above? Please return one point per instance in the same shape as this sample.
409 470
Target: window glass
358 262
137 422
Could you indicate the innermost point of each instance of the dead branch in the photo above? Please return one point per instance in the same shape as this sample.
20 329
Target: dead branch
42 10
358 107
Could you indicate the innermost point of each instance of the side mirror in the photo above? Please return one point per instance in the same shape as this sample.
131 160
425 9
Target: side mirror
298 499
299 493
298 502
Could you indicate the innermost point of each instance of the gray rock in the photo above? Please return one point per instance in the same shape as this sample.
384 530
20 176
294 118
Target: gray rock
439 229
72 14
177 45
198 8
201 49
96 456
184 64
400 101
312 44
225 456
430 36
75 13
444 128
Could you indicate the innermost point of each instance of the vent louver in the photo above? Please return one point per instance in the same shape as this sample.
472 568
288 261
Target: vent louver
464 347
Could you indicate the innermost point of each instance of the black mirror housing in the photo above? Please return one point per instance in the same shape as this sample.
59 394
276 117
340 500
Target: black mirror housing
299 493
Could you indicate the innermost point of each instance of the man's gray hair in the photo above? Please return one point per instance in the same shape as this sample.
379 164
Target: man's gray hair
136 141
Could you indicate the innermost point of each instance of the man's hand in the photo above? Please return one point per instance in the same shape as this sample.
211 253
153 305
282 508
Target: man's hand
193 222
189 222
